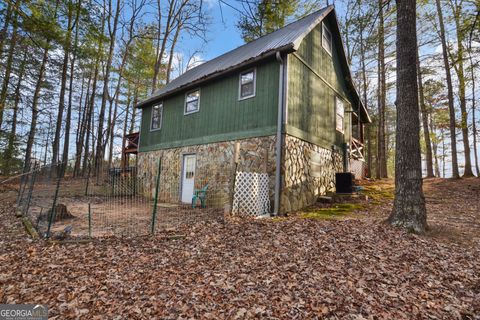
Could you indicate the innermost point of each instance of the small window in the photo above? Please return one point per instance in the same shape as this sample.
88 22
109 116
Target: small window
247 84
157 115
326 39
340 112
192 102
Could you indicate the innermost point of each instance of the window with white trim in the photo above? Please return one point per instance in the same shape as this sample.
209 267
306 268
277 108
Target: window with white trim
326 39
157 115
192 102
340 114
247 83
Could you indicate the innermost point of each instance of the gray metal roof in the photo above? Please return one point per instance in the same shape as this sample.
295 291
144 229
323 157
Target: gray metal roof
286 38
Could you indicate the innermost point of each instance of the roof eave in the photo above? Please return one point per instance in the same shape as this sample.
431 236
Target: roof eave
285 49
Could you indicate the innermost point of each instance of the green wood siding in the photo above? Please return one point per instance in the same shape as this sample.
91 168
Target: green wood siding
314 79
221 117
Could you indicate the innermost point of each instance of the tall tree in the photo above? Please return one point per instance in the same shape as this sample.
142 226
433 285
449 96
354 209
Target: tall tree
426 129
50 20
66 142
459 69
106 78
451 107
381 171
264 16
474 120
12 135
409 210
8 67
63 84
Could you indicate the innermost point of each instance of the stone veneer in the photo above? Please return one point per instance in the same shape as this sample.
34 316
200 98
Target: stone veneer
215 166
302 181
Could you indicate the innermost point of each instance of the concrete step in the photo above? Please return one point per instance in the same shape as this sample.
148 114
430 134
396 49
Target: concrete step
325 199
347 197
341 197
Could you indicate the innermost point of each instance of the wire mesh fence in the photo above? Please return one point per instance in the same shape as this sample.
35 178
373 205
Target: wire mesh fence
108 201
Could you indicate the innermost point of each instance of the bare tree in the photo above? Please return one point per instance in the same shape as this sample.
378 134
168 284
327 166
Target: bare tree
426 131
381 171
451 107
112 28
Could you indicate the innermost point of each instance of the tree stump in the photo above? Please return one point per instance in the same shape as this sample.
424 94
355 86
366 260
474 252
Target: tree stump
61 213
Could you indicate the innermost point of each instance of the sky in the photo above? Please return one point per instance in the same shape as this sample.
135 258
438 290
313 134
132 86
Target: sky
223 35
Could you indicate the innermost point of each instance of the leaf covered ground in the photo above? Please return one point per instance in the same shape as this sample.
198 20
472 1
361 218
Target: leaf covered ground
299 267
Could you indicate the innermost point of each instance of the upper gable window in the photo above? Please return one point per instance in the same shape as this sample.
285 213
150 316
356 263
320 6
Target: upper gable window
192 102
247 83
326 39
340 114
157 115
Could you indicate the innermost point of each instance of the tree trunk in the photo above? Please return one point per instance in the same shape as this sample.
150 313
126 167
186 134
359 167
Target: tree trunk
63 85
474 124
451 107
134 111
443 153
12 135
81 127
409 210
66 143
172 48
47 139
34 119
111 124
435 147
8 68
106 78
426 131
381 171
461 91
162 45
88 117
365 101
125 123
111 131
6 23
161 48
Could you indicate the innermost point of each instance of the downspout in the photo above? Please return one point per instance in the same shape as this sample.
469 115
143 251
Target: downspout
280 118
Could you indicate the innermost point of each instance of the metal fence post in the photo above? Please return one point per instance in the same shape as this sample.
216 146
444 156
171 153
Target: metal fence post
89 220
30 191
52 213
155 199
23 184
87 185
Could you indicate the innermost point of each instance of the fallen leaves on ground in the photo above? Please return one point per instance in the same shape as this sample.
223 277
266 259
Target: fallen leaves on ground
289 268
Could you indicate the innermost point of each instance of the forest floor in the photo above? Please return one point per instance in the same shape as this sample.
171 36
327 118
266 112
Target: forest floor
328 262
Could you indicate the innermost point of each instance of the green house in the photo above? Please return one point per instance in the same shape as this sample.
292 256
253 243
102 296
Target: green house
283 106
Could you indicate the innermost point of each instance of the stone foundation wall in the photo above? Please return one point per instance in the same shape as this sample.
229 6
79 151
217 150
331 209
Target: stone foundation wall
215 165
308 171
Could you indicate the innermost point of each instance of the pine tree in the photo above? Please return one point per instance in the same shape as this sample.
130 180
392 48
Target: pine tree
409 210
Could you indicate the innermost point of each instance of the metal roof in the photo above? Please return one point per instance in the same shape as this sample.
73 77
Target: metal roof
287 38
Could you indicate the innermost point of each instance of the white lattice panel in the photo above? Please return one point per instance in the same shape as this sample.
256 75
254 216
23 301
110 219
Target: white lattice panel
357 167
251 194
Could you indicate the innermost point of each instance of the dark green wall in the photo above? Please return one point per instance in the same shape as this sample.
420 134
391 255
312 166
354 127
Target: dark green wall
221 117
315 78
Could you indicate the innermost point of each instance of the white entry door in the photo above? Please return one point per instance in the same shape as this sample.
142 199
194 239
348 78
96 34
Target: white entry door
188 177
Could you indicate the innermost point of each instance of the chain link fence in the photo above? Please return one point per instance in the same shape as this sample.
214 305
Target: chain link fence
113 201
